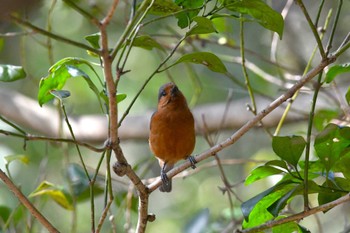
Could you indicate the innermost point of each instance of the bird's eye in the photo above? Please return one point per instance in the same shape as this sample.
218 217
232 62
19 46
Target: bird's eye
163 93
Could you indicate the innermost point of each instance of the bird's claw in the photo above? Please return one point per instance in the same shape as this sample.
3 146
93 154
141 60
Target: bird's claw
192 161
164 178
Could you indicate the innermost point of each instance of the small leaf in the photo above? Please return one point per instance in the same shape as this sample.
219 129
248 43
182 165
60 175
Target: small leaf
347 96
10 73
262 172
94 40
56 193
60 94
147 42
289 148
121 97
5 213
203 26
22 158
336 70
209 60
259 11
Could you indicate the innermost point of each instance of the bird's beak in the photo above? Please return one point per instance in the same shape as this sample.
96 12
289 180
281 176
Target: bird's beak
174 91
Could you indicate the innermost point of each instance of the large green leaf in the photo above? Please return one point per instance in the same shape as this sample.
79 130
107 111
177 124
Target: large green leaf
55 192
10 73
336 70
59 73
203 26
289 148
259 11
207 59
255 210
331 144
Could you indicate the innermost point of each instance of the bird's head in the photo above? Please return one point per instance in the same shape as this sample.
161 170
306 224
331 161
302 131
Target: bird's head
170 96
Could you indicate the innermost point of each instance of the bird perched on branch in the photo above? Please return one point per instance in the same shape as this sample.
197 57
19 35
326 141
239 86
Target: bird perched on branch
172 134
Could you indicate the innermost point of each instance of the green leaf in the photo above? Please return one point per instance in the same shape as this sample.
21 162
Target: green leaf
342 165
259 11
323 117
289 227
278 205
193 7
203 26
4 214
164 7
336 70
94 40
55 192
209 60
255 210
331 195
147 42
121 97
330 144
22 158
262 172
77 178
59 73
10 73
347 96
289 148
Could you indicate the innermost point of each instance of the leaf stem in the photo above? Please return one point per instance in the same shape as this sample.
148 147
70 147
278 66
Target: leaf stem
244 69
313 28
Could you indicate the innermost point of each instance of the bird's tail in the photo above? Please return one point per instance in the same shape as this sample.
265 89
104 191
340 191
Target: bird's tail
166 182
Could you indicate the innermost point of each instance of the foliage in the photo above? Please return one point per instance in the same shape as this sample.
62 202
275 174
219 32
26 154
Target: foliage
312 162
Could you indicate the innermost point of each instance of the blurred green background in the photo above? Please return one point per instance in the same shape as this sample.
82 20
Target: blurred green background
196 195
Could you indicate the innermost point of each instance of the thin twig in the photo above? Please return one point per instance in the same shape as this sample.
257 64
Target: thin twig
23 199
53 36
313 28
30 137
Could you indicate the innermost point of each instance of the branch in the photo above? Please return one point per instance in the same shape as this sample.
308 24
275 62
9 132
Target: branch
52 35
23 199
298 216
250 124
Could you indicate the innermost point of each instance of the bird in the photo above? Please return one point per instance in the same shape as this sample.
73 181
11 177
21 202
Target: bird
172 132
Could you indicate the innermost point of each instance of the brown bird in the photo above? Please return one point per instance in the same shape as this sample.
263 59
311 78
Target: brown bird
172 135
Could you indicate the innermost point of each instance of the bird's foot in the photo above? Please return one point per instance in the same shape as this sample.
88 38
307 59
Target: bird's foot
193 161
164 177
